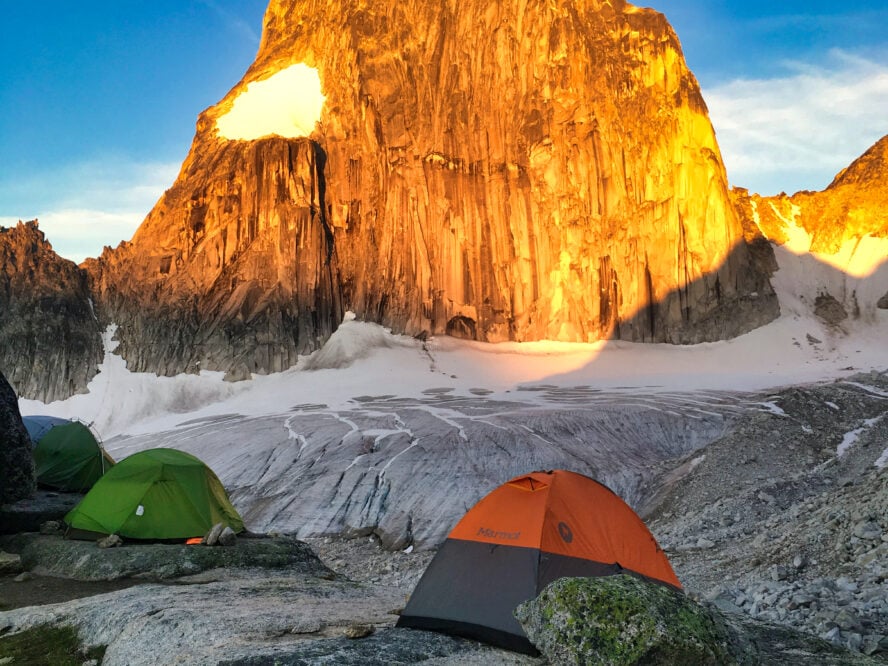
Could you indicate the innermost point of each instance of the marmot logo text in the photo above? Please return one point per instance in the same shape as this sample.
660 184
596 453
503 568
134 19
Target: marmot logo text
488 533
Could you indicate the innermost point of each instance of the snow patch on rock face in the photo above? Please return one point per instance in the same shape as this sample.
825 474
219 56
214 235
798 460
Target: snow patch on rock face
286 104
857 257
861 257
851 438
856 279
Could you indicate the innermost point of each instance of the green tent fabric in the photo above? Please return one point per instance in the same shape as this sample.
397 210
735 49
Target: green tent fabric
158 494
68 457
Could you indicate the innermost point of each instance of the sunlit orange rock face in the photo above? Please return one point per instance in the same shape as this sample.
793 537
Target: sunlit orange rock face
853 206
841 234
494 170
233 268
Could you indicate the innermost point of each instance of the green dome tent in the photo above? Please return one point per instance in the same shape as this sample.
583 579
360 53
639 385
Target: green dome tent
157 494
67 455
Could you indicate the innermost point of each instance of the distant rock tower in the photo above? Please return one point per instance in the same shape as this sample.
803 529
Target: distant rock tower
50 339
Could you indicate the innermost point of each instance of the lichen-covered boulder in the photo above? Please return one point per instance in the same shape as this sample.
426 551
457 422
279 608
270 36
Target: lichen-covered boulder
16 460
620 620
623 620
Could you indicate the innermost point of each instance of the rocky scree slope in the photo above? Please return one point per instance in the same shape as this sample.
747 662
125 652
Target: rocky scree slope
784 518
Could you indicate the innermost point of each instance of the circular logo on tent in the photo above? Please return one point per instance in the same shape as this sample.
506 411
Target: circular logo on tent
565 532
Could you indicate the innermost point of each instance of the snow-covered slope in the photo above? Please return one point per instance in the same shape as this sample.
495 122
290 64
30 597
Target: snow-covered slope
377 432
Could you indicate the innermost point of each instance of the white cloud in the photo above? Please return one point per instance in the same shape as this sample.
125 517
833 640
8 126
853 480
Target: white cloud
84 207
796 132
79 233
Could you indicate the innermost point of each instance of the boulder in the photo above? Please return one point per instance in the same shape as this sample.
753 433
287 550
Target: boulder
829 309
31 513
227 537
52 527
869 530
16 460
10 563
110 541
358 631
211 538
624 620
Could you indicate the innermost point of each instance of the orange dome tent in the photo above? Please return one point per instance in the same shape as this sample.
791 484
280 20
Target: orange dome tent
523 535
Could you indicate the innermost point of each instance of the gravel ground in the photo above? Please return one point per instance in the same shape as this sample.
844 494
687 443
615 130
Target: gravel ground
364 560
786 518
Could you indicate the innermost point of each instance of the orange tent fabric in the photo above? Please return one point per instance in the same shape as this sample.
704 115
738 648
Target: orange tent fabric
524 534
569 514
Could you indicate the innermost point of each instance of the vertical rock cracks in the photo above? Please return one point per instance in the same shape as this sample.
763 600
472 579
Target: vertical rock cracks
520 170
515 170
250 287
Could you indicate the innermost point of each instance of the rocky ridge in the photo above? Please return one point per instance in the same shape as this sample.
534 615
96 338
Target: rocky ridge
233 269
845 225
51 336
854 205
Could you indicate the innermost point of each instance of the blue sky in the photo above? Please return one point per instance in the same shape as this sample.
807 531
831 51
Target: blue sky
98 100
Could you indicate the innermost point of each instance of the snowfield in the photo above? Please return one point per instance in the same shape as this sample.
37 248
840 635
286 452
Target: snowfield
386 433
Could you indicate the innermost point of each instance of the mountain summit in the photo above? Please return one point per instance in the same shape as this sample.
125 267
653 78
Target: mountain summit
496 171
870 170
